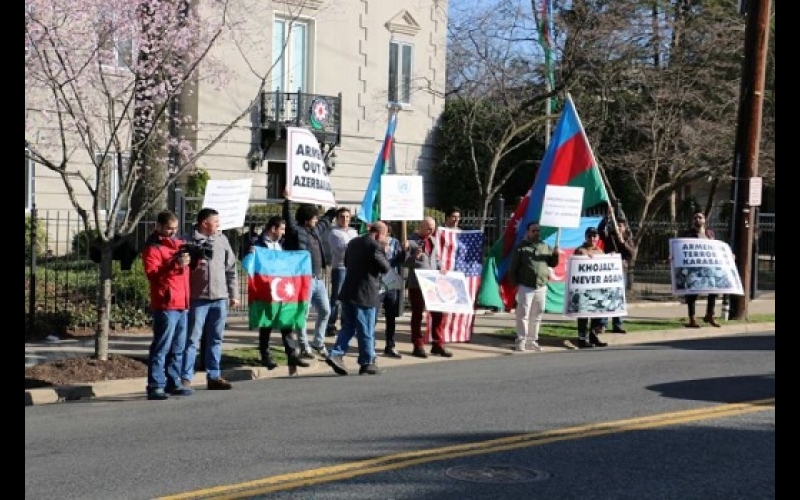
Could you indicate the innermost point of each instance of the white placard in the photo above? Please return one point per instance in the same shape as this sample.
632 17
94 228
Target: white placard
444 292
306 175
702 266
230 198
595 287
562 206
402 197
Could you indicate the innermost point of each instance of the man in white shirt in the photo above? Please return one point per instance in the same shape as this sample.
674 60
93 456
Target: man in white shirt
339 236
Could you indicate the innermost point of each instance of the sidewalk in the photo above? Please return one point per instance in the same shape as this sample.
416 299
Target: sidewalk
483 344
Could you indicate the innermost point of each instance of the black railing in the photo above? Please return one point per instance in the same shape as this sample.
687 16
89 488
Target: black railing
320 114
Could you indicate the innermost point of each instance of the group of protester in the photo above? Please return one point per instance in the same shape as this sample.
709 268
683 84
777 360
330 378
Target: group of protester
193 282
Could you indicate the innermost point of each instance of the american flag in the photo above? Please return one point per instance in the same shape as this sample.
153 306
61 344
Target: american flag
460 250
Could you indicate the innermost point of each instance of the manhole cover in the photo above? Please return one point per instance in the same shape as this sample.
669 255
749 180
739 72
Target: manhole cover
500 474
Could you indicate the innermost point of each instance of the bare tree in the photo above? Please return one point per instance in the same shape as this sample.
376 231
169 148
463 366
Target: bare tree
102 82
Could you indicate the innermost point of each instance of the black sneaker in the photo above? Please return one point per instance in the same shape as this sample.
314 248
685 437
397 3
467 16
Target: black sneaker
583 343
392 353
306 354
441 351
157 395
269 364
419 352
595 340
337 364
295 361
370 370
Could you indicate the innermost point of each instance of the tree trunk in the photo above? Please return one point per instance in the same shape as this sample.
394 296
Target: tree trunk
103 304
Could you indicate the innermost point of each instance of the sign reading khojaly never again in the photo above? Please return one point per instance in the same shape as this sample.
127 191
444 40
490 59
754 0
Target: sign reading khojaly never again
595 287
700 266
306 175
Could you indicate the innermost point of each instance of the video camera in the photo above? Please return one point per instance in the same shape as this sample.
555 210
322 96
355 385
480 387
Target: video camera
197 250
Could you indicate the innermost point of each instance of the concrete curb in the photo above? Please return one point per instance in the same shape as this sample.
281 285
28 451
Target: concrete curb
463 352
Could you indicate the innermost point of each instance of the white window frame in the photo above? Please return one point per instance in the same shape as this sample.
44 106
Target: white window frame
30 176
118 54
401 71
292 67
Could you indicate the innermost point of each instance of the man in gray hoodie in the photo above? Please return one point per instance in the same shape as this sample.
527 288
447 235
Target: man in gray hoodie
213 288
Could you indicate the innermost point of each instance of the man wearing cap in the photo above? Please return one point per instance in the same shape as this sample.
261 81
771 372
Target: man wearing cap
588 333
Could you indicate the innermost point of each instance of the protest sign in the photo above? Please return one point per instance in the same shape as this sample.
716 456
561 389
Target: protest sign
444 292
402 197
306 174
562 206
702 266
230 198
595 287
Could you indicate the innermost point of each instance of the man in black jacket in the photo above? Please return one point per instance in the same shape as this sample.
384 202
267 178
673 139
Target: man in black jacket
365 260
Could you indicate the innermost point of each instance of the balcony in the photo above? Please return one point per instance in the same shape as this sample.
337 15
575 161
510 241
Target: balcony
320 114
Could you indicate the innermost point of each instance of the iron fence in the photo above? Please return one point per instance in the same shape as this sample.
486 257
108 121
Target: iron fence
61 278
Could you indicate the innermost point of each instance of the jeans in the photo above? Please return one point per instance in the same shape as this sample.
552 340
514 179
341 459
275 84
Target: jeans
337 279
357 321
390 300
164 361
584 326
319 301
616 321
206 320
530 309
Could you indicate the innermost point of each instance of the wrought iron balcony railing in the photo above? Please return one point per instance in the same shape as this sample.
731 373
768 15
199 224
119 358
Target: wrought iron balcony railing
320 114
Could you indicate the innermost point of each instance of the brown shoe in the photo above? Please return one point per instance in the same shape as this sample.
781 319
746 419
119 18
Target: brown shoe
710 321
692 323
219 384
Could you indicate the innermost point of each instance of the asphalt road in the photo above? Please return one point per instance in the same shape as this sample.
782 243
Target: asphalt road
690 419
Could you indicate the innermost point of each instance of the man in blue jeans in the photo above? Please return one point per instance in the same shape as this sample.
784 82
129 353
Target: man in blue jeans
305 231
366 261
339 236
167 271
213 285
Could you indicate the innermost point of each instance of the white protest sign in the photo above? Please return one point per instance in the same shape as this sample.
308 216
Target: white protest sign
306 175
444 292
402 197
562 206
595 287
702 266
230 199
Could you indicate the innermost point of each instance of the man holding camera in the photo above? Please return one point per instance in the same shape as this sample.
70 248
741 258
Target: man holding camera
167 271
213 286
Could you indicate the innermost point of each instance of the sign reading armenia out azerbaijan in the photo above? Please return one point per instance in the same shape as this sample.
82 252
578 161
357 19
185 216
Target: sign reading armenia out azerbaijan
703 266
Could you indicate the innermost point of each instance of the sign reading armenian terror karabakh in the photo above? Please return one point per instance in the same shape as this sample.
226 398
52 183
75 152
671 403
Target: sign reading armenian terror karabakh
306 174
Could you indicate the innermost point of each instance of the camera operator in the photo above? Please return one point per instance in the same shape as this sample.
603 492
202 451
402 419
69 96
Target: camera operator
213 285
166 268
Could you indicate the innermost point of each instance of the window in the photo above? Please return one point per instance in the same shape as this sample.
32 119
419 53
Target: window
400 56
29 176
116 167
115 50
276 179
290 46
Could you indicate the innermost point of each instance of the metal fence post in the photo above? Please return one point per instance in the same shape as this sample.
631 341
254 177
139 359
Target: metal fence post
499 210
32 274
180 207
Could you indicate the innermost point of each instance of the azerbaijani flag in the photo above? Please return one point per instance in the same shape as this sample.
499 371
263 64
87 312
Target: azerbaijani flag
370 209
568 161
278 287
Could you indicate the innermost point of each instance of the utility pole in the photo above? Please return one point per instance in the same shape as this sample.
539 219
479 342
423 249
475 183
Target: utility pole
746 149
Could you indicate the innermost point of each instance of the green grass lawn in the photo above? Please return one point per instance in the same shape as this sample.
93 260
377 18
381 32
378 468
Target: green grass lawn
567 328
248 356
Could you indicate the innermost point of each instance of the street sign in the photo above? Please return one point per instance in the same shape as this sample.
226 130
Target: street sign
754 196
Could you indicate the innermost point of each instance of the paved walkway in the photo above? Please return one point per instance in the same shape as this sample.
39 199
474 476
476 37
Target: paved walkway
483 344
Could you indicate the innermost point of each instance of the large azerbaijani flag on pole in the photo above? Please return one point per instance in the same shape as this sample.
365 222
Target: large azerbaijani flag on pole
370 209
278 287
568 161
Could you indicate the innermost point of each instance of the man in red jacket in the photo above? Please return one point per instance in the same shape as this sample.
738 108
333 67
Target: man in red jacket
167 271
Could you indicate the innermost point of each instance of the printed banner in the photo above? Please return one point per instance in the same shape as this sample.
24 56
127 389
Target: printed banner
230 198
444 292
700 266
595 287
306 175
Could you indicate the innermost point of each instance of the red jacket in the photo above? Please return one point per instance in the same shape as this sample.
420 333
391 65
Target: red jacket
169 281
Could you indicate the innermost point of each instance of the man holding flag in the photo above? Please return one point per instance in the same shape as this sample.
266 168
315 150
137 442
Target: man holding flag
568 161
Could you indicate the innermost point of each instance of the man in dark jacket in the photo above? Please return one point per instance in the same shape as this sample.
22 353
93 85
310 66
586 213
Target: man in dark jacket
305 231
616 240
698 229
365 260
